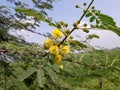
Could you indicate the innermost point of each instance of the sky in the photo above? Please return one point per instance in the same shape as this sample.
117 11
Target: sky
64 10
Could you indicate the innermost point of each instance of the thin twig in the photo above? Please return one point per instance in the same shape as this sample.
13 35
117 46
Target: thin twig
78 22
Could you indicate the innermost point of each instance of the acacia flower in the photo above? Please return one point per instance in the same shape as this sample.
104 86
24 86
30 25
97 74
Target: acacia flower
48 43
54 50
56 33
58 59
65 50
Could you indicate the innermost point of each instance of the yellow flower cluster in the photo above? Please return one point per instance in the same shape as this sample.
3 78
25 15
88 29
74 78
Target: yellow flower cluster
56 33
53 48
65 50
58 59
48 43
58 51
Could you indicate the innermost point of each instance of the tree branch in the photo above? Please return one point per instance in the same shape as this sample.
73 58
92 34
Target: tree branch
78 22
3 50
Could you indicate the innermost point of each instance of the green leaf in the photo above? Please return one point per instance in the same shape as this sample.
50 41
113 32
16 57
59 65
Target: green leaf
47 5
2 7
35 14
26 74
56 68
31 12
34 1
50 22
1 88
92 19
91 36
40 77
88 15
52 74
103 22
107 18
78 43
97 21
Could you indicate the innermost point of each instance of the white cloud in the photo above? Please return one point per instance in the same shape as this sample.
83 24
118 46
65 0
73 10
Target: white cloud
107 39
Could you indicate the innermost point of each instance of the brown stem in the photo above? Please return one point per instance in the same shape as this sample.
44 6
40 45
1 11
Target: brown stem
77 22
3 50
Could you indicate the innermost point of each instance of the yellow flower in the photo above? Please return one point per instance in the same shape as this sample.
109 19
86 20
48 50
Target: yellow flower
65 50
56 33
58 59
61 67
48 43
54 50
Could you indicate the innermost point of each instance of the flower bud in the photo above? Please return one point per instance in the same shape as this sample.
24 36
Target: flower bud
61 67
71 42
61 22
93 7
67 32
66 24
85 24
77 6
58 26
71 37
75 24
84 3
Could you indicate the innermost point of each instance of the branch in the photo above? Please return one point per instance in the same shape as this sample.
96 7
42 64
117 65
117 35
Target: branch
3 50
74 27
78 22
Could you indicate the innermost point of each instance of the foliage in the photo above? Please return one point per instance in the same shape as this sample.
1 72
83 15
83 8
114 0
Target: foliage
103 21
58 64
89 69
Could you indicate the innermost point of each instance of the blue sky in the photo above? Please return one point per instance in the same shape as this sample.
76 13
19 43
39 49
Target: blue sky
65 10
